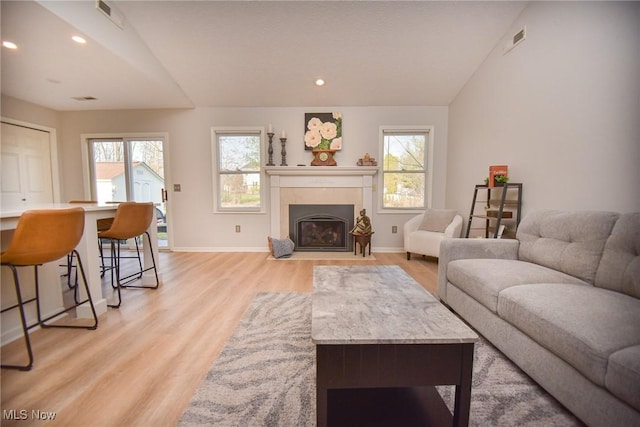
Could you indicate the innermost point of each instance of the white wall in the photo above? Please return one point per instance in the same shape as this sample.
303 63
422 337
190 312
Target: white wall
194 225
562 110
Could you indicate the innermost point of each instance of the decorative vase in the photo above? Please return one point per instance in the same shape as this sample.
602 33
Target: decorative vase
323 158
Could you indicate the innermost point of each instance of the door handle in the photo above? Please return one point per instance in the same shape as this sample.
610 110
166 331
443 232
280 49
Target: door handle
164 195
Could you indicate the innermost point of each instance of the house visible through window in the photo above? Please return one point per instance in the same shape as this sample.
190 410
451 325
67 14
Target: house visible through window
406 168
237 160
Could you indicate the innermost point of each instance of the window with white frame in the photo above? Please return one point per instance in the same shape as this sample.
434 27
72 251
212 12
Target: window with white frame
237 174
406 168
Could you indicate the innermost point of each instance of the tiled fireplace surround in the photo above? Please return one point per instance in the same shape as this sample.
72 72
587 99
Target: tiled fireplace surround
332 185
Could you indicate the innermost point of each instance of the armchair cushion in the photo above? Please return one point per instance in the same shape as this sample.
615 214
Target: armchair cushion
437 220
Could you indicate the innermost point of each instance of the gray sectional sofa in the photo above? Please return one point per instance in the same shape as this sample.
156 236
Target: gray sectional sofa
562 301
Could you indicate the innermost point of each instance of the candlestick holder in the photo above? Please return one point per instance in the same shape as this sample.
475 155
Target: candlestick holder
284 152
270 135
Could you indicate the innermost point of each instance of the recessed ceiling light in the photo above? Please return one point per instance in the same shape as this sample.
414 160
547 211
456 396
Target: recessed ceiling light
9 45
319 82
78 39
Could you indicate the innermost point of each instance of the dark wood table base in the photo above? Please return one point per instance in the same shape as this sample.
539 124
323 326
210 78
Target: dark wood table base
392 384
363 240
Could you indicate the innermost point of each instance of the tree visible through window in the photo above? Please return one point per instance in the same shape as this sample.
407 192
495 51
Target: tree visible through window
238 165
404 169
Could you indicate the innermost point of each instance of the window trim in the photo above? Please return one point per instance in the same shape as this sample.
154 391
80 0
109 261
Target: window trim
215 171
428 187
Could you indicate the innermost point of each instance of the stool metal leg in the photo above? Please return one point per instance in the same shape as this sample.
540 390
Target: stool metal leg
142 270
23 319
42 321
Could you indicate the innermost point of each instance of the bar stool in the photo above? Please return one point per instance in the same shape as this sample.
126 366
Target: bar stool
132 220
44 236
102 224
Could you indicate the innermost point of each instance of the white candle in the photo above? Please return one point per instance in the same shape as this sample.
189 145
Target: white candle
284 135
270 128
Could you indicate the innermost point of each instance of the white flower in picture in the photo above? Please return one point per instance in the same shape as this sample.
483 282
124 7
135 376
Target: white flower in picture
328 130
314 124
312 138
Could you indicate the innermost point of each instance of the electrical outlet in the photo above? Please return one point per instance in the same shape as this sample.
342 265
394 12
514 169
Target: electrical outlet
237 228
394 229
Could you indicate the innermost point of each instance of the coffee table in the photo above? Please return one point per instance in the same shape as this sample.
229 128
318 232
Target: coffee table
382 343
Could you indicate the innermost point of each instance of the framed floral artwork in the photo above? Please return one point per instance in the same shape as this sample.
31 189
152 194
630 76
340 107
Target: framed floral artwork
323 131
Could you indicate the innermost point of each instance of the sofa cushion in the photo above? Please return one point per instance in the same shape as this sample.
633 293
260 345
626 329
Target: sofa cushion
571 242
583 325
623 375
484 279
619 268
437 219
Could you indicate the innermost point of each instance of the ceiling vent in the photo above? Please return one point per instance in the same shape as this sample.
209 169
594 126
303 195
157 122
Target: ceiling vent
110 12
515 40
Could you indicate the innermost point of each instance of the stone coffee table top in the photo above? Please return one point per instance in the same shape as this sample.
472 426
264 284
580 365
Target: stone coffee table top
379 305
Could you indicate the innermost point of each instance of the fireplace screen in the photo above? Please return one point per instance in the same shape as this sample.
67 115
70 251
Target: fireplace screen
322 228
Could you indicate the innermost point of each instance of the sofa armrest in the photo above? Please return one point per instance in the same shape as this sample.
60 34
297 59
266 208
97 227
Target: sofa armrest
453 249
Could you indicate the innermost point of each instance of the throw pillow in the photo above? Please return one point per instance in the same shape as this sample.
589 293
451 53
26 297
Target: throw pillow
437 219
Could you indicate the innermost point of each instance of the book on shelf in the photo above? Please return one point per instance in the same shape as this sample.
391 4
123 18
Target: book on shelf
497 170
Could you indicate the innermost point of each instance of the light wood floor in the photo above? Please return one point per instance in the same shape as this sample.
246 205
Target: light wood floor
144 362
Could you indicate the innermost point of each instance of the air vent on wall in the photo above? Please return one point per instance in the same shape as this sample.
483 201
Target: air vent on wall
110 12
515 40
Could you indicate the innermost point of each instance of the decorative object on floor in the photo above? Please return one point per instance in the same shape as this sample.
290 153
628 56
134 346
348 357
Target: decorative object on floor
281 248
283 141
265 376
270 151
367 160
424 233
323 135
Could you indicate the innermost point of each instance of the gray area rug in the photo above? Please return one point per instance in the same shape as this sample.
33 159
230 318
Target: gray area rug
265 376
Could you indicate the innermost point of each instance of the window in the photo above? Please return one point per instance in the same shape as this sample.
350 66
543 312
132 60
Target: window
238 178
406 168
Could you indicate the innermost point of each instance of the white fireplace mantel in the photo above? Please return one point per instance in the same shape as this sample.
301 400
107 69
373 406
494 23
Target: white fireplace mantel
283 179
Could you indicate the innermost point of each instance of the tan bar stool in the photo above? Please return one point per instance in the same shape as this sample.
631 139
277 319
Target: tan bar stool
132 220
44 236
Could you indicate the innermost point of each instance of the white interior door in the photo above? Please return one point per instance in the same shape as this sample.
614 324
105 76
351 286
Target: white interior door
26 177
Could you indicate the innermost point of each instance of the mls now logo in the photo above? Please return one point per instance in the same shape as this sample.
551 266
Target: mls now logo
23 414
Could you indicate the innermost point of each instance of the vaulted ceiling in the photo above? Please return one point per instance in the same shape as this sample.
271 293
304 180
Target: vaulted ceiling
184 54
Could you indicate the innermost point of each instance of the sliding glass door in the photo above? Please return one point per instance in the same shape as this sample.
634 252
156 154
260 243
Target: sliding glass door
130 169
